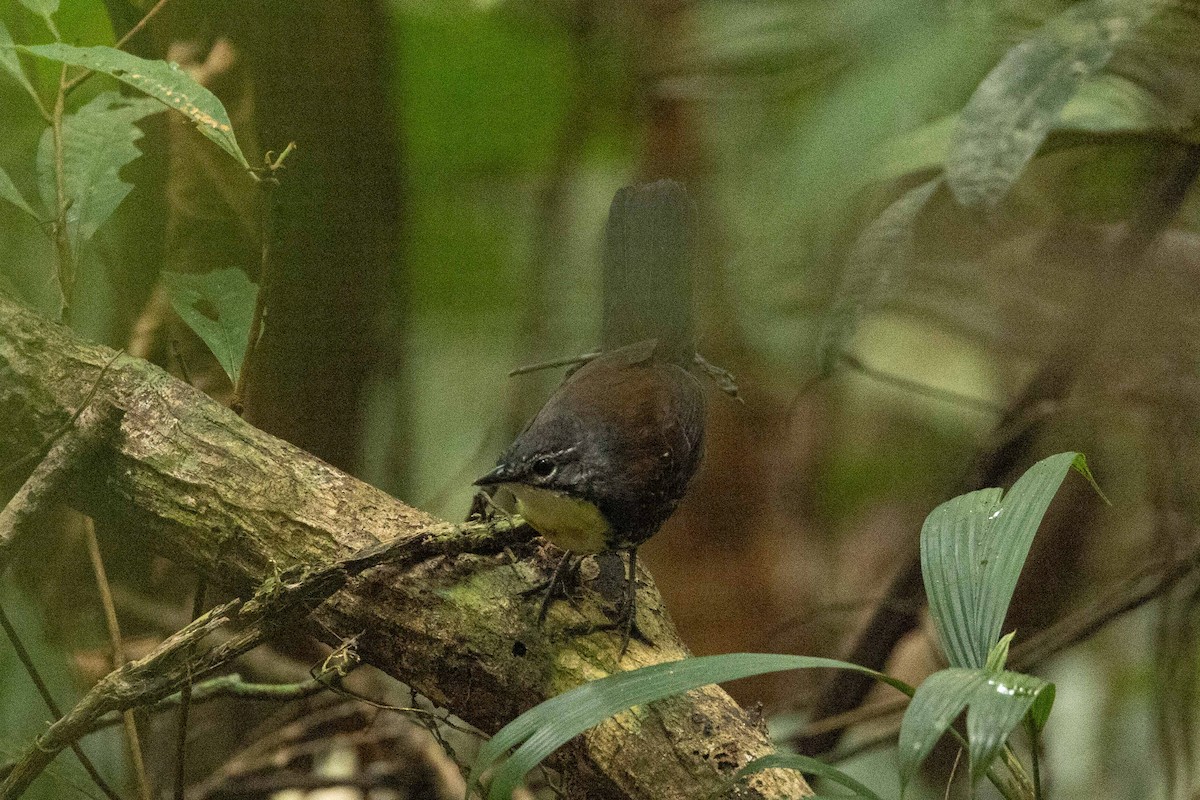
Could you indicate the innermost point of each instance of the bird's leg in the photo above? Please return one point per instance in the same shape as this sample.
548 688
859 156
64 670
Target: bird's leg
558 579
628 612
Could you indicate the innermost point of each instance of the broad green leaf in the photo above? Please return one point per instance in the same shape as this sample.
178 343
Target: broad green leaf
951 555
9 61
995 703
43 8
936 704
98 140
10 192
165 82
875 270
812 766
994 710
219 307
1010 114
972 550
543 729
1012 533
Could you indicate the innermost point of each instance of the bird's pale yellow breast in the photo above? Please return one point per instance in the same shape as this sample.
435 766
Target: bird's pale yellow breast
568 522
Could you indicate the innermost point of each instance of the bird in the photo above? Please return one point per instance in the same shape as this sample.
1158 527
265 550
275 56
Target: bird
609 456
607 459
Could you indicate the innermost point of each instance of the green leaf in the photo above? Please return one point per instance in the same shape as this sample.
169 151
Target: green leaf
543 729
1040 711
219 307
995 703
43 8
812 766
922 149
1113 104
10 192
875 270
9 61
98 140
165 82
972 550
998 656
994 710
1010 114
951 565
936 704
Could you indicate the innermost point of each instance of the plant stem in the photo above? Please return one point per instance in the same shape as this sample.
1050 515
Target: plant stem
118 653
185 702
62 237
44 691
141 23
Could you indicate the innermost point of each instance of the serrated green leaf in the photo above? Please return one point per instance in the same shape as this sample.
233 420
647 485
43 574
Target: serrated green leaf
543 729
10 192
98 140
1014 108
812 766
875 270
972 550
219 307
165 82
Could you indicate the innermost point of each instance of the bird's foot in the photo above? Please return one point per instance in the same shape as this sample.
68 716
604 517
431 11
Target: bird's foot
562 581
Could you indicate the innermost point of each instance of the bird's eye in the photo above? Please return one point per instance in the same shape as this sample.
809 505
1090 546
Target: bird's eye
543 467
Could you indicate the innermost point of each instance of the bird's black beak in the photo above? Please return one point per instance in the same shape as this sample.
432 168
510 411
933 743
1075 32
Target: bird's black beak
503 473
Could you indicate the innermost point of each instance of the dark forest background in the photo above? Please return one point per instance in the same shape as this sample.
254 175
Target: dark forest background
895 344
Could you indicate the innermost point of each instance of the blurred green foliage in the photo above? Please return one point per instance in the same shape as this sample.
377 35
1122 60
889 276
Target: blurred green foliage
809 118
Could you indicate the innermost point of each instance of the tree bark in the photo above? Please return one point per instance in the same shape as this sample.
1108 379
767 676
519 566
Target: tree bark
200 485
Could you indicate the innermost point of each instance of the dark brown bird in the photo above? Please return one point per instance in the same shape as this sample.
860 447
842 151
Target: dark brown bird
607 459
609 456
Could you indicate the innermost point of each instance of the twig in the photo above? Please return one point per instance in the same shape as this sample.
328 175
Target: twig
855 716
45 486
47 698
279 751
87 73
279 602
1035 758
62 238
267 181
916 387
1135 592
46 446
185 700
557 362
118 653
233 685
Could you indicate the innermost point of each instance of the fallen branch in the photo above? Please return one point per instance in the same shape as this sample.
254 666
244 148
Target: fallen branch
241 507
